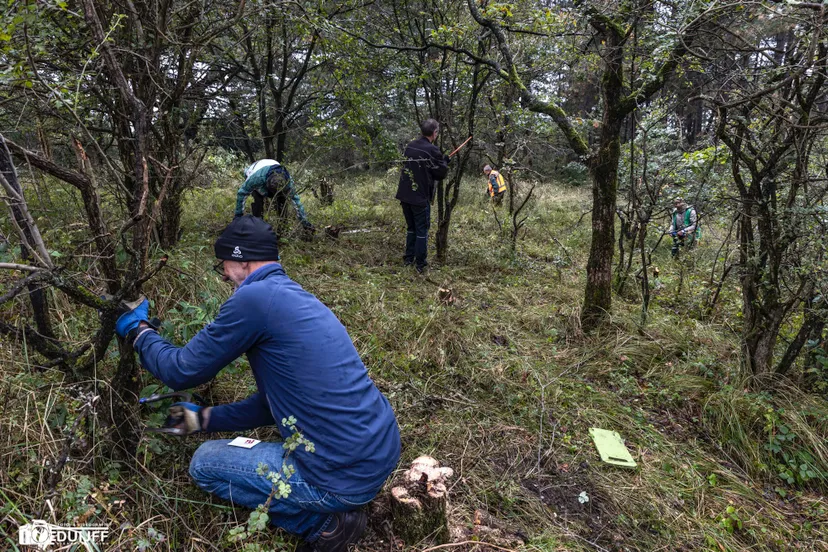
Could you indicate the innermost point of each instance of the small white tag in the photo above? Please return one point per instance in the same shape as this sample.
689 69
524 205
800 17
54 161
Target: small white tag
244 442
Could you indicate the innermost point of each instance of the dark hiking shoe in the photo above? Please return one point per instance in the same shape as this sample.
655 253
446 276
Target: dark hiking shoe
421 269
349 527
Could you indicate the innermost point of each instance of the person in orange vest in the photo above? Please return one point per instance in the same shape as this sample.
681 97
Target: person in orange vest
497 186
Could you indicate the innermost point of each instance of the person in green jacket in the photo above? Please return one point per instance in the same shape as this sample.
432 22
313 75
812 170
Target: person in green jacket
684 225
268 179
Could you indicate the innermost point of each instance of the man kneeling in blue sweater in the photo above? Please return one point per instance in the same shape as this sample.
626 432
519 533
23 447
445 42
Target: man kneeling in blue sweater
305 366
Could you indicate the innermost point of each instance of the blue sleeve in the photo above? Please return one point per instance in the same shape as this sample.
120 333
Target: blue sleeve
233 332
250 413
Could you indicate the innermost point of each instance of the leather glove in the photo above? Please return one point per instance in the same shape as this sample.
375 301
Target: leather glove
187 417
131 316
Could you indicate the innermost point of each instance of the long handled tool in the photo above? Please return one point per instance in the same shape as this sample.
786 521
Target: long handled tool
460 146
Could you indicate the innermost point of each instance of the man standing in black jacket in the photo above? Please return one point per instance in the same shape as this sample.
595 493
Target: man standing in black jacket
424 165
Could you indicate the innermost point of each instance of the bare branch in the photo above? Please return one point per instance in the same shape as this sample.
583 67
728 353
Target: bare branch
76 179
528 99
15 290
30 234
16 266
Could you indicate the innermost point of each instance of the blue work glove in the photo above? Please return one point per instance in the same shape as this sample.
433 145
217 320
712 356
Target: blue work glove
674 234
187 417
133 314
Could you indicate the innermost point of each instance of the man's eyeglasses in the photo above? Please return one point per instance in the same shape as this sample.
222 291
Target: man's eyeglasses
218 268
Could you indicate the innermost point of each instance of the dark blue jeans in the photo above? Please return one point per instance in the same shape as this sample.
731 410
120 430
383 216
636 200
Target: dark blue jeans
230 473
418 219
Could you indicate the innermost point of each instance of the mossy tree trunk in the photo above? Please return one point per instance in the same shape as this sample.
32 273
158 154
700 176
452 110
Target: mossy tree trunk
612 29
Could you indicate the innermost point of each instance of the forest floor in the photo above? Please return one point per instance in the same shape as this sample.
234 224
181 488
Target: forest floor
500 385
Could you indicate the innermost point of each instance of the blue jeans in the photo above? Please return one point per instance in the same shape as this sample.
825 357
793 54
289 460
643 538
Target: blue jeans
230 473
418 220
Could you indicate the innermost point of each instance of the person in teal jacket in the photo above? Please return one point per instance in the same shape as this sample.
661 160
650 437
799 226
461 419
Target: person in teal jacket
268 179
684 226
306 370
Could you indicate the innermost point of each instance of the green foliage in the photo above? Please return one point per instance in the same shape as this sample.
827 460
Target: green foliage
794 463
296 438
730 520
816 372
154 414
575 174
791 448
75 497
182 322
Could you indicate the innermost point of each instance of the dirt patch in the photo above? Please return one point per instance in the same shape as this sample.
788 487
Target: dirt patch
681 425
572 497
501 340
578 504
483 528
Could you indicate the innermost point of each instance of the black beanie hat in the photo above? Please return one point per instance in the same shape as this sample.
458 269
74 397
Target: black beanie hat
247 238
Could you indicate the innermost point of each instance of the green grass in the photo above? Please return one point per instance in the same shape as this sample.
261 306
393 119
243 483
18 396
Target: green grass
501 386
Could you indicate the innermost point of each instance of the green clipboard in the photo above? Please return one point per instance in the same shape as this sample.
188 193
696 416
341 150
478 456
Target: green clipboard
611 447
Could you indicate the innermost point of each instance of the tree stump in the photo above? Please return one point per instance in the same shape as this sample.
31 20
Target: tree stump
326 191
333 231
446 296
419 500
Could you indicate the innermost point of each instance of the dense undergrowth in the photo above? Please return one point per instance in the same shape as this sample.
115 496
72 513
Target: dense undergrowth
501 385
